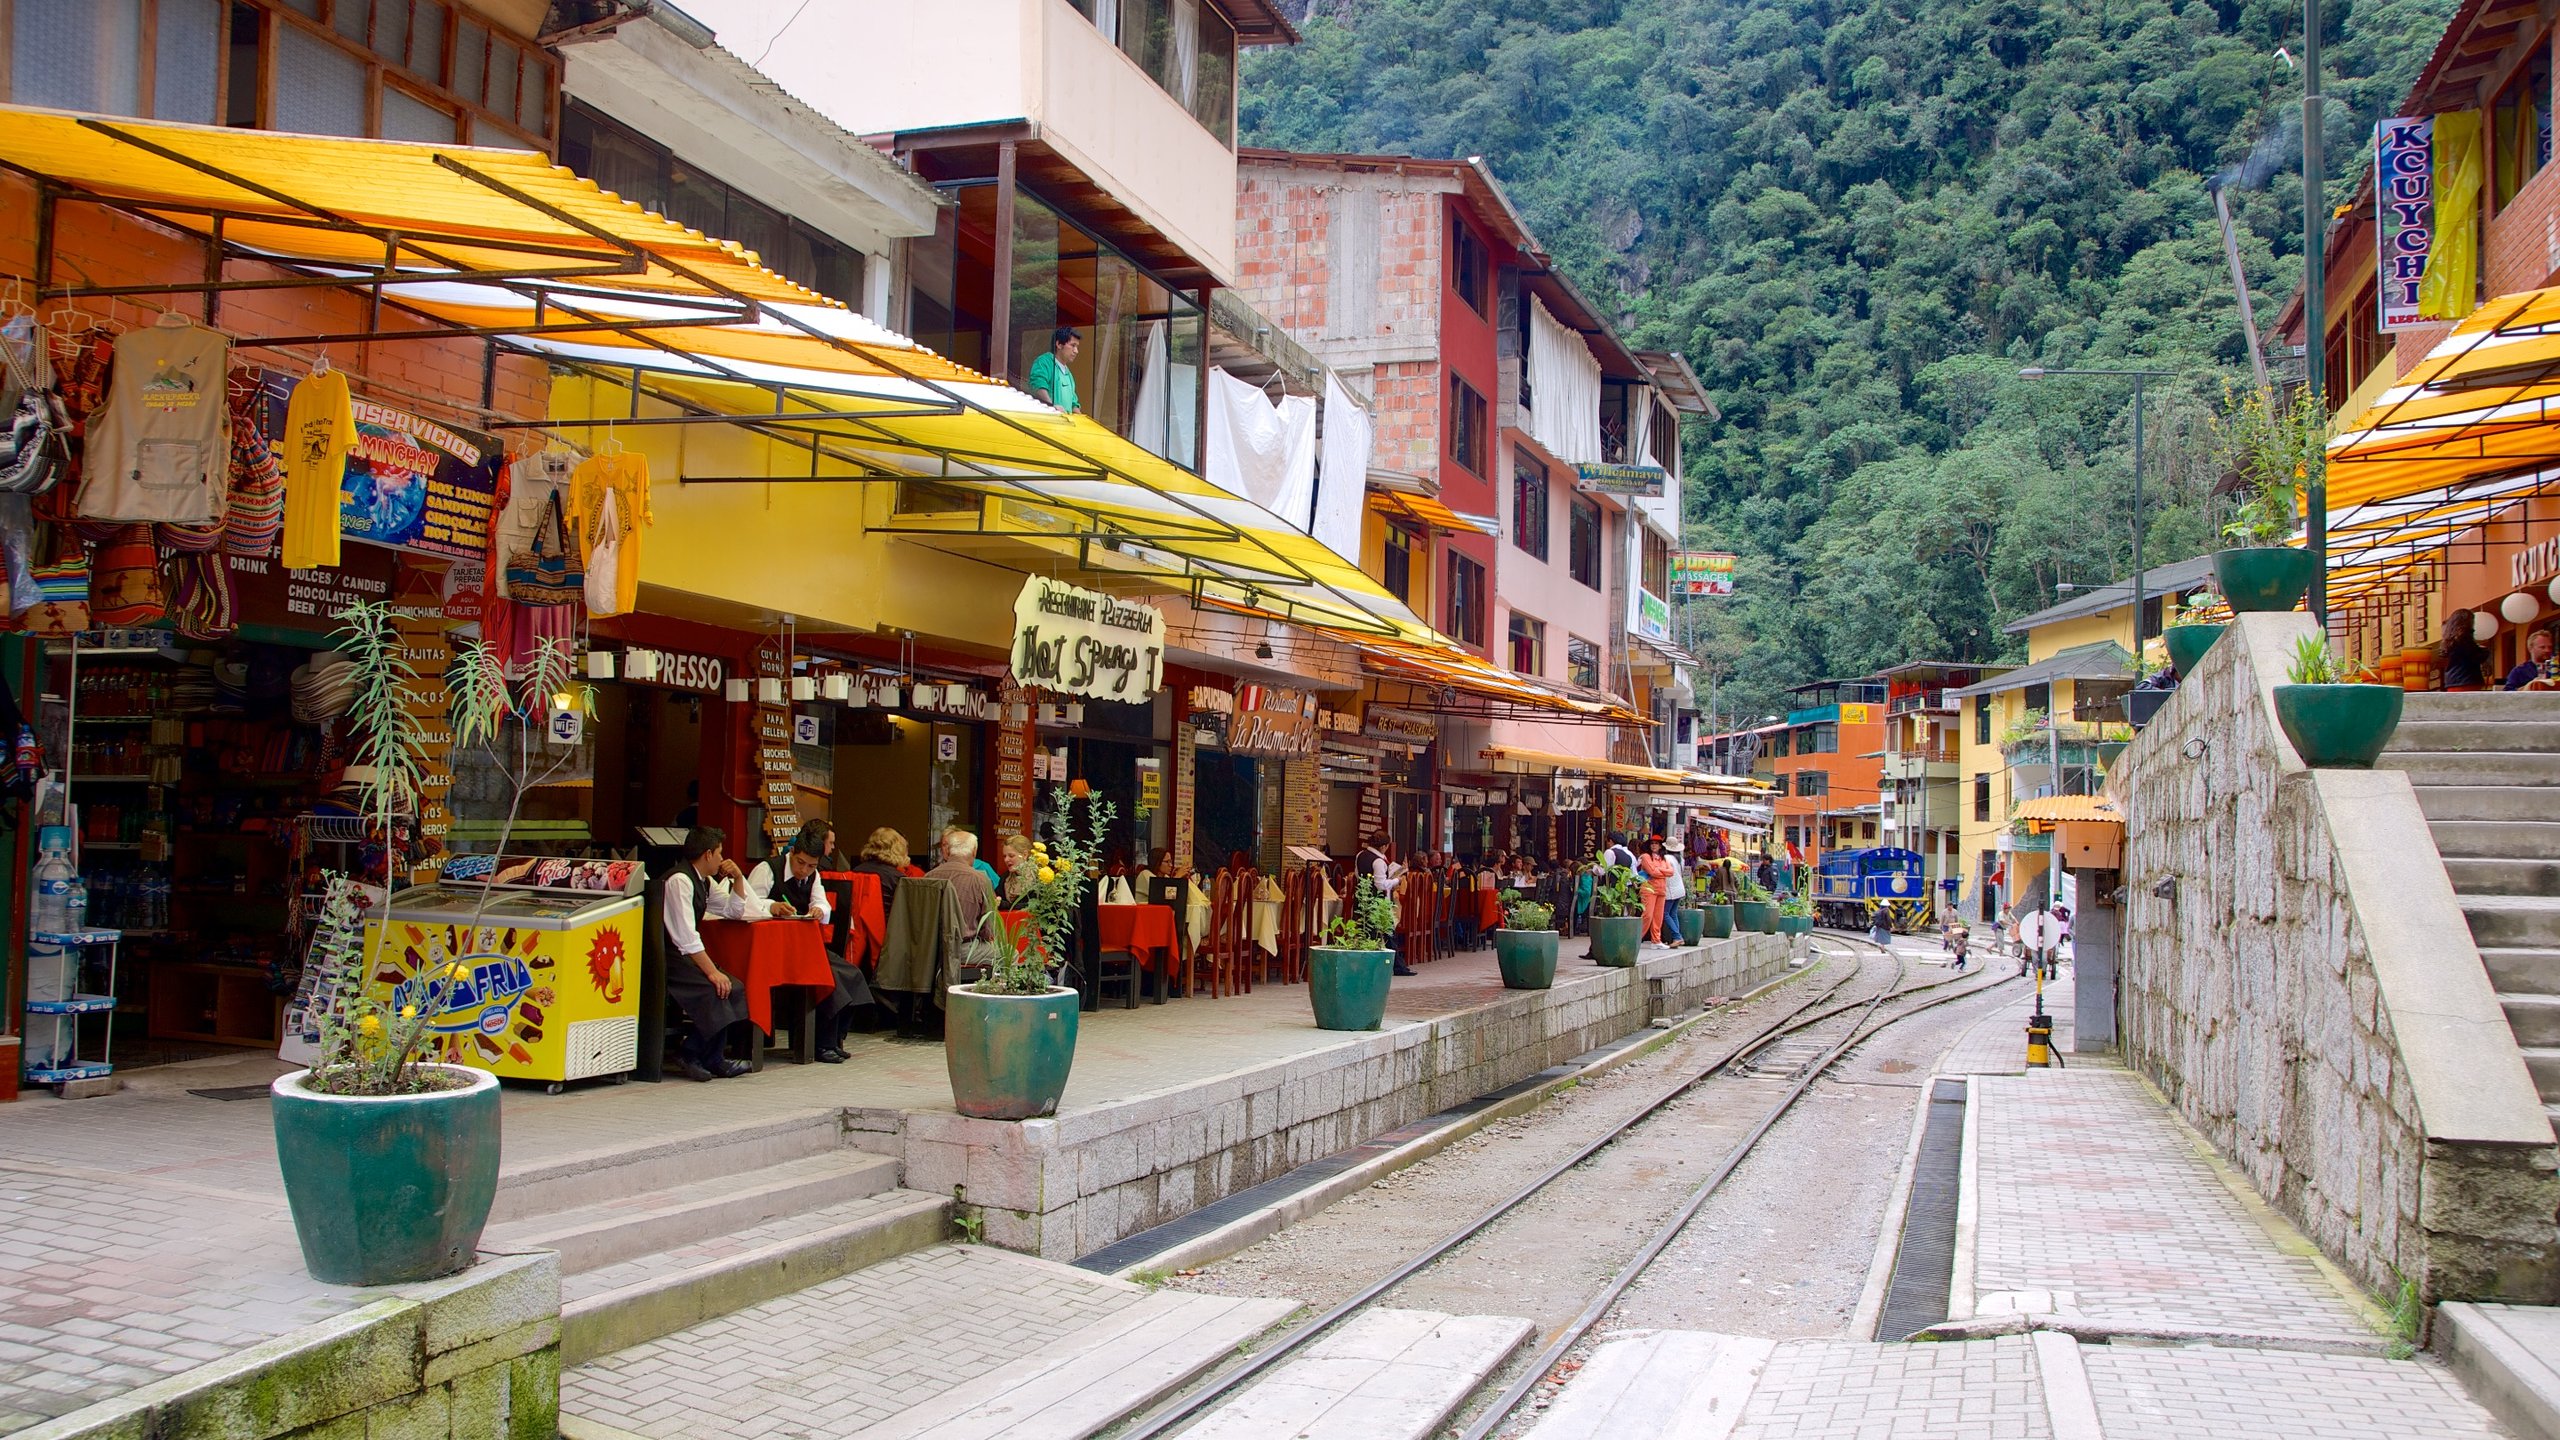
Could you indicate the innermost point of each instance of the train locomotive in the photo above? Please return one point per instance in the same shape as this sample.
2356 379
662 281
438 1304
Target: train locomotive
1849 884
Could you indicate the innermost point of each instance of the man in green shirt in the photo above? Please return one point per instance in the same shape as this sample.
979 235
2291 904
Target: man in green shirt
1051 380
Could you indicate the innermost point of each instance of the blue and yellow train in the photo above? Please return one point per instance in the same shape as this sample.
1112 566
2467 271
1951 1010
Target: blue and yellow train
1849 884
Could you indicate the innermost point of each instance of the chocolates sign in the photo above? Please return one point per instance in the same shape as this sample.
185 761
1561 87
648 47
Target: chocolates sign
1073 641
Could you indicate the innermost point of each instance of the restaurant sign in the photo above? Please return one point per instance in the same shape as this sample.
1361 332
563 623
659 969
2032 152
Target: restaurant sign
1653 616
1073 641
1633 482
2405 207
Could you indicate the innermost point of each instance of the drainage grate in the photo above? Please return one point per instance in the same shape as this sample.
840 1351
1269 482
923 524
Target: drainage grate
1924 1263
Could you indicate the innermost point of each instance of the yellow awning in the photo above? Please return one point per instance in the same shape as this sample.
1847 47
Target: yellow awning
2047 811
1426 510
1618 770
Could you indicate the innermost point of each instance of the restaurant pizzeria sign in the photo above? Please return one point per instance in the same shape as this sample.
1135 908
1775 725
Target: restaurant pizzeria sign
1073 641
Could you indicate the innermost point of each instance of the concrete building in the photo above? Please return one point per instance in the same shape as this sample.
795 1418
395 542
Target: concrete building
1829 769
1922 775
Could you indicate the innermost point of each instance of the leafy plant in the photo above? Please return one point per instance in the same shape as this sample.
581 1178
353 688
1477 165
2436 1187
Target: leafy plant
2312 663
1617 892
1796 907
2269 452
1520 913
2201 608
2029 726
1755 893
1367 919
1066 863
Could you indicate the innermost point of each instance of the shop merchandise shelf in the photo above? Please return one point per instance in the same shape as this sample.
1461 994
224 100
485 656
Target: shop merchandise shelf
76 1005
67 952
64 1074
94 935
139 777
111 719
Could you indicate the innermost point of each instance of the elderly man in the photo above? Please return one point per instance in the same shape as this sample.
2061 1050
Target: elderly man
968 879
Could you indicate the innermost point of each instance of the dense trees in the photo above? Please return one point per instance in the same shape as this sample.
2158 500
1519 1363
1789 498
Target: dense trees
1859 219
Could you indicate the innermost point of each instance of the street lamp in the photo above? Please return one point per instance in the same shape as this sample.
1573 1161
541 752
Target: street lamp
2038 372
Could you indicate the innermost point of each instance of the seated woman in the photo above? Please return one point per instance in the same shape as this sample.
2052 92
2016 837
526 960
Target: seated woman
1021 872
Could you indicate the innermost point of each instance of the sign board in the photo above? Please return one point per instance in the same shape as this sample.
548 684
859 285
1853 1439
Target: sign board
1857 714
804 729
1073 641
2534 563
1653 615
2405 210
1572 794
1398 726
1696 573
265 593
410 483
676 671
568 726
1632 482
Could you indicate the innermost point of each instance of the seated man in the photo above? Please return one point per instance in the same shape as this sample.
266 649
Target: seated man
706 885
975 894
2537 672
799 894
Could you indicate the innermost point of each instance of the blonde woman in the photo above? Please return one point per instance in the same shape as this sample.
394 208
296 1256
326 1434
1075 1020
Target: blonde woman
1021 872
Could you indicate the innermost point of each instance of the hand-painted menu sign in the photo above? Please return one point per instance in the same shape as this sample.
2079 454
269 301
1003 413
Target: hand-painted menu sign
1072 641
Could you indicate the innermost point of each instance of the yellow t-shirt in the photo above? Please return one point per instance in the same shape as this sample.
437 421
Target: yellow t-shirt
627 475
319 430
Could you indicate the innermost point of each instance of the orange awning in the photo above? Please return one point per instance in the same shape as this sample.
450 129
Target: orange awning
1428 511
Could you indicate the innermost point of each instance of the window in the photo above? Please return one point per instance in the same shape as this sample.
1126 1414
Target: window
1818 740
1982 797
1582 662
1185 46
1585 540
1468 267
1657 564
1981 719
1528 645
1778 743
1813 782
1529 503
1466 600
1778 786
2520 127
2039 697
1467 431
1397 571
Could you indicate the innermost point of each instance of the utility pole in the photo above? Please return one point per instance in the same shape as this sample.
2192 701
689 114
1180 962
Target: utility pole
2315 229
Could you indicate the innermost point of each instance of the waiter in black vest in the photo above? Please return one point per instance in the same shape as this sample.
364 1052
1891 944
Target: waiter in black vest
706 885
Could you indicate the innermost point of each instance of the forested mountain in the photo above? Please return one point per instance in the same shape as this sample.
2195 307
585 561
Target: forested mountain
1859 219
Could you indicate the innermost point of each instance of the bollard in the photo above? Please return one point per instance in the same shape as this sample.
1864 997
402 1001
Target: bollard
2039 1041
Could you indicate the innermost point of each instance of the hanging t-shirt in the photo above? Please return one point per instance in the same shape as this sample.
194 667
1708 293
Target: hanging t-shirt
160 448
319 430
626 475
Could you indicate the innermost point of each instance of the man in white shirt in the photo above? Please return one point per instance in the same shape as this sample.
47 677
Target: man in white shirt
1372 864
706 886
799 894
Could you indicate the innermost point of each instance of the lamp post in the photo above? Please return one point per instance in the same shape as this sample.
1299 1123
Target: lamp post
2038 372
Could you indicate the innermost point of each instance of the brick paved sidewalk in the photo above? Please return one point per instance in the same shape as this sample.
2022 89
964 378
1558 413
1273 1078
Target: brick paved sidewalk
1997 1043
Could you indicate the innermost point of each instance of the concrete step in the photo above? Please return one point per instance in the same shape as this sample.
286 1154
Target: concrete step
2522 969
557 1183
2514 920
2498 733
2474 767
618 1306
1097 1378
612 1231
2480 705
2489 802
2508 1357
2534 1017
1672 1383
1388 1375
2544 1062
2497 839
2473 875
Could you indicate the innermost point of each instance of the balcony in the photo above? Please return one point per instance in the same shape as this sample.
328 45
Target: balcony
1929 764
1923 702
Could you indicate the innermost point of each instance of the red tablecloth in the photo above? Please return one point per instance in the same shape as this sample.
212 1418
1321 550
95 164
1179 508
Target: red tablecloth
1145 931
870 929
762 954
1488 909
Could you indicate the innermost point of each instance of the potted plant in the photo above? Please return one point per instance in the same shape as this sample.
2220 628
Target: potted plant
1617 916
389 1159
1691 913
1525 946
2192 632
1795 916
1010 1038
1716 916
1757 910
2269 452
2333 722
1347 975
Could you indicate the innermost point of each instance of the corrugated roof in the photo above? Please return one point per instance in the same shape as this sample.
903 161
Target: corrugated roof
2176 576
2098 660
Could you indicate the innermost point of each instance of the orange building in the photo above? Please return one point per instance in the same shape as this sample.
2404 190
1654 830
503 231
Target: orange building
1829 768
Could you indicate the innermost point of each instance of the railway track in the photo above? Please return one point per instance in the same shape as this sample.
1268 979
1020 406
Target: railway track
1790 1053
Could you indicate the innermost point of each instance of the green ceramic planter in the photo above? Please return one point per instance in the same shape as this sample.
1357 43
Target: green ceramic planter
1693 924
388 1189
2338 726
1008 1054
1795 924
1756 915
1716 921
2187 644
1348 988
1527 957
2262 577
1614 940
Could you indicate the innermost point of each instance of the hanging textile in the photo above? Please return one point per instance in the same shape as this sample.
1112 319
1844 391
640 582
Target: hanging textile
626 476
255 520
2449 289
1564 386
319 430
160 448
1342 491
1147 414
1265 453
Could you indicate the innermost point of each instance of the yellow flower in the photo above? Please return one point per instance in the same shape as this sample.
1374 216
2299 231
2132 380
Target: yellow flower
408 1012
458 971
1047 874
370 1024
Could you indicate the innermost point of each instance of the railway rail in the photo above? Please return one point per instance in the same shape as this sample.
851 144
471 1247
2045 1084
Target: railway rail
1797 1047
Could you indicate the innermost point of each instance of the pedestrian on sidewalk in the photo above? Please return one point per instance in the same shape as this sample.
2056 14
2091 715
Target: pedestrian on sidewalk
1657 869
1958 939
1880 928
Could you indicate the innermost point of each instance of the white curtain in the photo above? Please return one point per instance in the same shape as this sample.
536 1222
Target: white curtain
1265 453
1344 488
1186 49
1640 428
1564 380
1147 415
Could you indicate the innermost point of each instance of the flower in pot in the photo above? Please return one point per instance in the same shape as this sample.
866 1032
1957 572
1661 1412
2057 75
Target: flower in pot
1347 975
2269 450
1525 946
1010 1038
1716 916
2192 631
1617 915
1757 910
2333 722
1795 915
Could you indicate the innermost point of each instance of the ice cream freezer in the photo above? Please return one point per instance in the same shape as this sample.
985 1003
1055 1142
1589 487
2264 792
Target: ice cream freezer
548 987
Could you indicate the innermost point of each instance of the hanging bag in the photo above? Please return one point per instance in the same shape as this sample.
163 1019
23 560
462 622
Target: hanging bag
64 584
604 559
124 586
548 572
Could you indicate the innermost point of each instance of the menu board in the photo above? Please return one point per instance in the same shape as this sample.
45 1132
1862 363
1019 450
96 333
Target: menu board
1014 792
776 787
418 617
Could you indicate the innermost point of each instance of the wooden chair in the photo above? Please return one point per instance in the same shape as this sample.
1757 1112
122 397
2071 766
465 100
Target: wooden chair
1301 916
1219 951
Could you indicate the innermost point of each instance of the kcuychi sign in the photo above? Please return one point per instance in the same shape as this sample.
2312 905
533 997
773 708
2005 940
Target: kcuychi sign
1072 641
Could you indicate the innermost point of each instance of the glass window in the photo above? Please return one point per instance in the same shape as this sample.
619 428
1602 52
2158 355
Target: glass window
2520 127
1213 96
1467 431
471 60
2039 697
1981 719
77 55
1467 267
621 162
695 199
1657 564
391 30
354 19
1529 503
1528 645
1397 564
405 117
1982 797
1585 540
1813 782
320 89
1466 600
1778 743
1582 662
426 39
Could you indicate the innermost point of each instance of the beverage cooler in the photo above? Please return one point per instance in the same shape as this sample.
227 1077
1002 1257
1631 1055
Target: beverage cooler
550 989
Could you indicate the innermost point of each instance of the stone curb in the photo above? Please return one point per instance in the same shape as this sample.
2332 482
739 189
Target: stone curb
2070 1407
2099 1332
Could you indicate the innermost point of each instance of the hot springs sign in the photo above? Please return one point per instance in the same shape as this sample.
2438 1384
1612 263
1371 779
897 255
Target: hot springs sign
1082 642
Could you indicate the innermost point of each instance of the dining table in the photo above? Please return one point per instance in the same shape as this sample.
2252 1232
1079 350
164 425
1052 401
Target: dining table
1147 932
768 955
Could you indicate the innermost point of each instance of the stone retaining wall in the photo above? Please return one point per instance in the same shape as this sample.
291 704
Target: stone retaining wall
2298 978
1068 1186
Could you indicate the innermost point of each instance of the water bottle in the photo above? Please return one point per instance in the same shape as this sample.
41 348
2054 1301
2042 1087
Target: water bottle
53 878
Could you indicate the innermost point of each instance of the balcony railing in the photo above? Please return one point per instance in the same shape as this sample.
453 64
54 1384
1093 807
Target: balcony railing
1916 701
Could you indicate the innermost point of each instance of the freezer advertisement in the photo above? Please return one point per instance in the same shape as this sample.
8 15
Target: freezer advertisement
521 999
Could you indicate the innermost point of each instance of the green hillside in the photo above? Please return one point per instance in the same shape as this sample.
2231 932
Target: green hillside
1859 219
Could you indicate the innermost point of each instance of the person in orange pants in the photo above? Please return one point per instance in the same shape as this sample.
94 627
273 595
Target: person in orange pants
1655 866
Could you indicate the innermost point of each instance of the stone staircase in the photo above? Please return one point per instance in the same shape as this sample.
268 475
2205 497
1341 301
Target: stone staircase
2486 768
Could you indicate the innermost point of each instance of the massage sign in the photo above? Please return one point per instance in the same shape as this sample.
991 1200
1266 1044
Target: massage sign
1071 641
